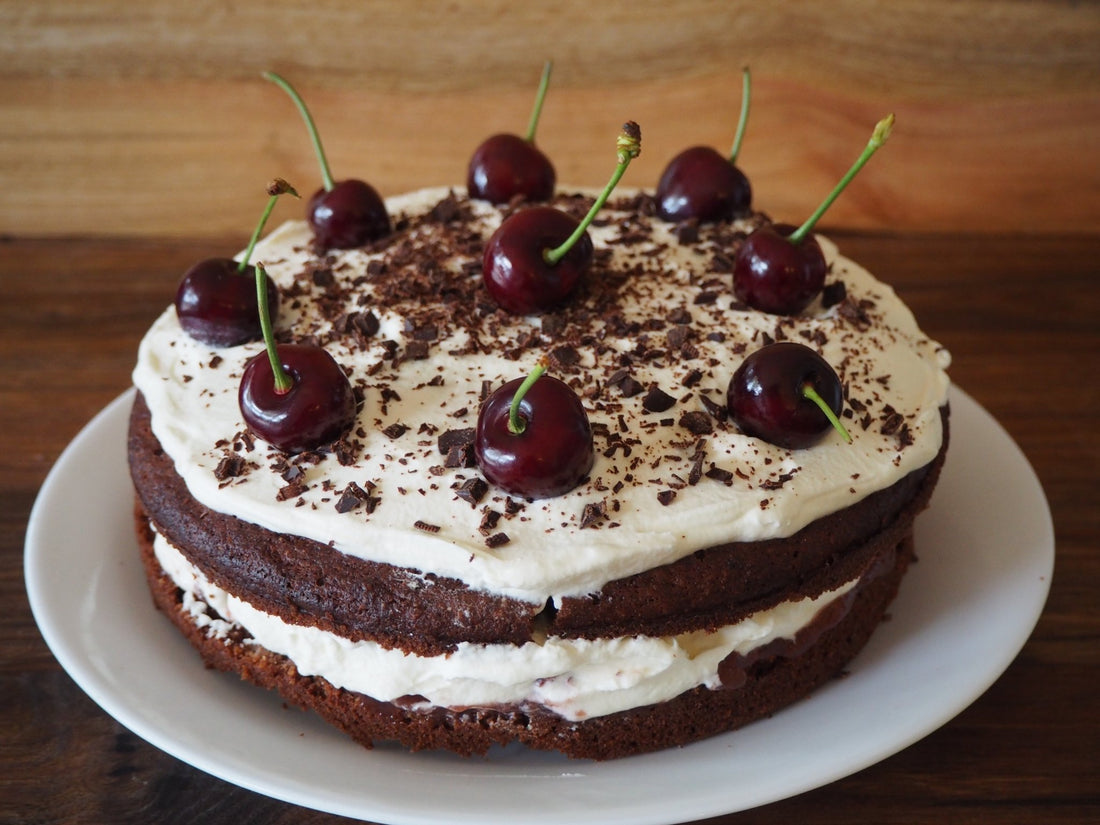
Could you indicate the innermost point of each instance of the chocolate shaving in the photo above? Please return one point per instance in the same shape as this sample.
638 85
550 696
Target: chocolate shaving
625 384
718 474
561 358
346 453
231 466
446 210
417 350
657 400
705 298
593 514
680 315
776 483
832 294
395 430
460 455
854 313
353 497
450 439
489 521
677 336
696 472
687 232
292 473
892 424
292 490
714 409
473 490
697 422
428 332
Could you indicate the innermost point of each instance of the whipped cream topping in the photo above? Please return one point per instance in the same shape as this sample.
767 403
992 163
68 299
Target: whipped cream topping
575 678
649 343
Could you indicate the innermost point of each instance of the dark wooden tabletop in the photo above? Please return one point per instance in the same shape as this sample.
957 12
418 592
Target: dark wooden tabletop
1021 316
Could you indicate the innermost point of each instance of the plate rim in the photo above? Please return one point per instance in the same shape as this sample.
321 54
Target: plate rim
1041 558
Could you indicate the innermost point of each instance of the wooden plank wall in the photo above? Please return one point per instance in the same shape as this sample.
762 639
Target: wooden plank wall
151 120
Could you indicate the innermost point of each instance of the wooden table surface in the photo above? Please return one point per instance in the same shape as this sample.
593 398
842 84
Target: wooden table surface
1022 318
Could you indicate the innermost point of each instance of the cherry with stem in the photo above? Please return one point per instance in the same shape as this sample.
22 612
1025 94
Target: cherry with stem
343 214
538 255
294 396
702 184
786 394
506 167
533 437
215 300
781 271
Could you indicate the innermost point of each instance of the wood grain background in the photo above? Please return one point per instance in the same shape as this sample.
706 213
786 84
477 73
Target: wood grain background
119 119
136 138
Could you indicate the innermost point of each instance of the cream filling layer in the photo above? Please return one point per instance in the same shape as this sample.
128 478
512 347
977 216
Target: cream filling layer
575 678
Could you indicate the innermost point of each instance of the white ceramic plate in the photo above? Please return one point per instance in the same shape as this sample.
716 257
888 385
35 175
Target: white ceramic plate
986 549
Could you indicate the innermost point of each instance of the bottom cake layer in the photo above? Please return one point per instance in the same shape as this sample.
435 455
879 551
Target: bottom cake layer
752 686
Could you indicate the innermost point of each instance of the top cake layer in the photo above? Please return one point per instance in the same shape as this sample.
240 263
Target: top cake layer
649 342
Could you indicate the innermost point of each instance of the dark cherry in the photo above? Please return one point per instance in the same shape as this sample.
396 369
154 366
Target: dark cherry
343 214
216 302
771 396
295 396
700 183
781 270
348 215
552 452
317 409
774 275
537 256
514 267
506 167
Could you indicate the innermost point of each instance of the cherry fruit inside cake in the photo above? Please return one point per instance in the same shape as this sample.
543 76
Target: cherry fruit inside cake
694 579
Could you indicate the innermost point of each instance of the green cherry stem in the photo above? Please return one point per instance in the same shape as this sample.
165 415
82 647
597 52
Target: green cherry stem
283 381
274 189
516 424
540 96
878 137
628 146
810 393
314 135
742 121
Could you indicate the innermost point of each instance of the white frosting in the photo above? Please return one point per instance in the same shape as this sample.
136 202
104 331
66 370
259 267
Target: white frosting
549 553
576 678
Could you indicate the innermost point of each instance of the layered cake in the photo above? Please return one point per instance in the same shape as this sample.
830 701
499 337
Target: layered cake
695 579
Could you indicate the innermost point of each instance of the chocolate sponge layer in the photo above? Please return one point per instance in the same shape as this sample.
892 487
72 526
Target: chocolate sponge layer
306 582
761 688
